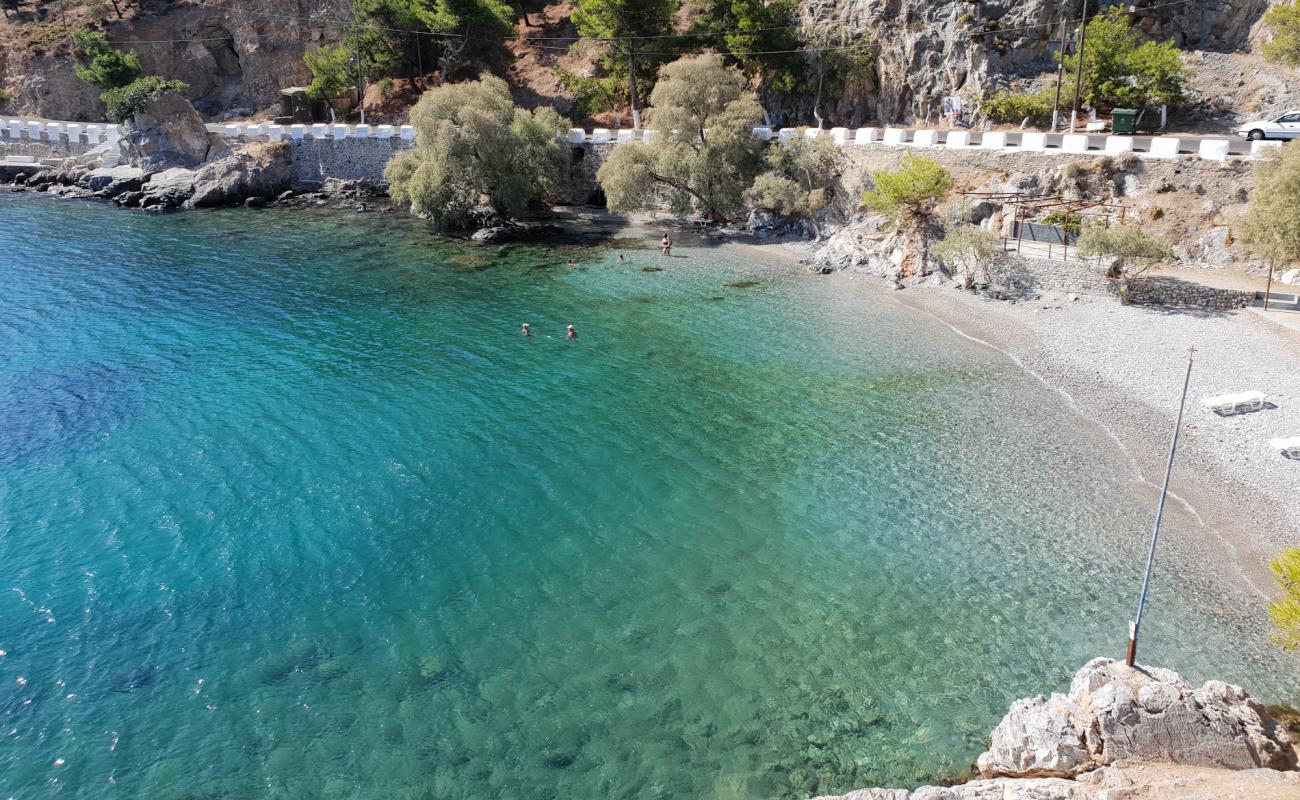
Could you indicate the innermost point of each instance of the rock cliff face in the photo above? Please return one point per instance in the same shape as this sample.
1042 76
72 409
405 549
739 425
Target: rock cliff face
1064 747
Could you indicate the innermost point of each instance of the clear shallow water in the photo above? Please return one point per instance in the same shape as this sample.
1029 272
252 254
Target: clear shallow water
288 509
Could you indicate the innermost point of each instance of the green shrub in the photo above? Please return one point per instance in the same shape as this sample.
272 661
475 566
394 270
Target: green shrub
331 72
1070 223
1011 107
593 96
1122 71
120 104
4 98
910 191
1283 21
107 67
1285 610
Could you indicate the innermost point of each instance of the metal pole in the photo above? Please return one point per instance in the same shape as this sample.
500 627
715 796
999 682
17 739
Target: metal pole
1078 66
1269 287
1060 71
1136 625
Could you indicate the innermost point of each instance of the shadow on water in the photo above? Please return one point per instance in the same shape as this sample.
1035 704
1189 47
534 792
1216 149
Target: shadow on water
43 409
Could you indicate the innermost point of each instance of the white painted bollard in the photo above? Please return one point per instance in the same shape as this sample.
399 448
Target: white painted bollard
1214 149
340 131
895 136
253 132
787 135
866 136
318 131
1164 147
1074 143
1116 145
407 132
93 134
385 132
362 131
993 140
812 133
233 131
74 133
577 136
296 131
925 139
113 131
53 132
1033 140
763 134
957 140
648 136
1265 149
628 135
600 135
840 136
34 131
275 132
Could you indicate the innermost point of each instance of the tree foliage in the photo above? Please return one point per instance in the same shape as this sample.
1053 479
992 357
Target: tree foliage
106 67
1013 107
122 102
593 95
1283 21
1120 71
969 247
702 155
619 27
332 72
481 18
1134 250
758 38
474 146
798 180
909 192
1285 610
1271 227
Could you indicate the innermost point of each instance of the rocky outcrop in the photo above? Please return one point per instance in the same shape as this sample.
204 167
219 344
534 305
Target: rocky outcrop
1072 746
168 133
875 245
260 170
1113 712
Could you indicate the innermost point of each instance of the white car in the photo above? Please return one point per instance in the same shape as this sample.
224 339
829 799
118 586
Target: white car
1286 126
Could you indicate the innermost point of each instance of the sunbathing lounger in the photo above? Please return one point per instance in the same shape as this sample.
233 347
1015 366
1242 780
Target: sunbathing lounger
1289 448
1239 403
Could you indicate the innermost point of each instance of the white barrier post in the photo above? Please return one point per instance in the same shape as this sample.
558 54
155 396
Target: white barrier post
1074 143
385 132
787 135
407 132
993 140
866 136
296 131
1265 149
600 135
1033 140
362 131
340 131
233 131
957 140
648 136
275 132
53 132
34 131
840 136
763 134
895 136
925 139
74 133
93 134
577 136
1115 145
1163 147
253 132
812 133
318 131
1214 149
628 135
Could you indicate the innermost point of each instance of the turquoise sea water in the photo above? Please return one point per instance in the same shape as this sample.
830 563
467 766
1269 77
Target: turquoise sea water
289 509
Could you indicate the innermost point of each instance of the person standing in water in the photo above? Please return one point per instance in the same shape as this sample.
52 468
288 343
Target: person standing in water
528 331
569 333
667 244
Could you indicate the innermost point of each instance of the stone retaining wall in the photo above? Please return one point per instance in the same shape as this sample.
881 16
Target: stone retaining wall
315 160
1039 274
1161 291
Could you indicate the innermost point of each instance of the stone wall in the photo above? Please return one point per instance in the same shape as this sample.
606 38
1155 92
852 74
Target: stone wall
1024 275
580 187
43 150
1165 291
314 160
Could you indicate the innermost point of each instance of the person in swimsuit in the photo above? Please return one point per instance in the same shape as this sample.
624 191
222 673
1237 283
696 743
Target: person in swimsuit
528 331
570 333
667 244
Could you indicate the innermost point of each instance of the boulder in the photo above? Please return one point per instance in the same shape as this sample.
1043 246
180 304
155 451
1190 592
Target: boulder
499 233
168 133
259 170
1114 712
995 789
113 181
1291 277
167 189
876 246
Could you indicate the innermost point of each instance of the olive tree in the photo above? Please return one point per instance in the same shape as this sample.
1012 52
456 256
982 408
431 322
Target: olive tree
702 155
1271 227
798 180
970 248
475 147
1133 250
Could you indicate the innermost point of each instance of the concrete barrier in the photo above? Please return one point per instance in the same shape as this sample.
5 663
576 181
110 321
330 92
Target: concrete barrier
407 132
1074 143
34 131
648 136
866 136
385 132
232 131
1163 147
763 134
840 136
1116 145
787 135
275 132
1033 141
1265 149
628 136
14 129
576 136
812 133
926 139
993 140
957 140
600 136
74 133
93 134
362 131
53 132
1214 149
252 132
895 136
297 131
339 131
318 131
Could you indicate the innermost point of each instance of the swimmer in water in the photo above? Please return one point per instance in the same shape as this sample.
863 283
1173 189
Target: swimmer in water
527 331
570 333
572 263
667 244
620 258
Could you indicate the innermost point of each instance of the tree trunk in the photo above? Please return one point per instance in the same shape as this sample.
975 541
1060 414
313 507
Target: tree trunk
631 79
817 103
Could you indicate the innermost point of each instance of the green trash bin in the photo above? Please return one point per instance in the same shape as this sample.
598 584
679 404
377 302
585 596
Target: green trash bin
1123 120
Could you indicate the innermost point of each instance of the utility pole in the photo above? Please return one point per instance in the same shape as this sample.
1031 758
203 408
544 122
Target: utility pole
1078 66
356 56
1136 624
1060 73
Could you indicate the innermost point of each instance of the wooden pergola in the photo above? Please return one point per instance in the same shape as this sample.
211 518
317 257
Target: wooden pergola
1025 207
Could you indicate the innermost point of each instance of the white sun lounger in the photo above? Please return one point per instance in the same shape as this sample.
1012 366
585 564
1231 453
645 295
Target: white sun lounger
1290 448
1238 403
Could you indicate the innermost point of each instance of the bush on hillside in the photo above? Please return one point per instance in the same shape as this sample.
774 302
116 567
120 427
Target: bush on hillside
1012 107
107 67
122 103
1121 71
1285 610
1283 21
909 192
